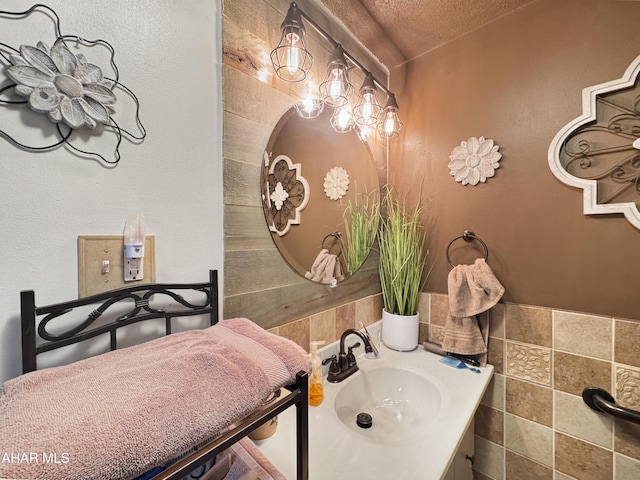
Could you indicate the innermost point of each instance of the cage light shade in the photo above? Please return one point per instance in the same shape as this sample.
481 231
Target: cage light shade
309 107
367 110
291 59
336 89
342 120
389 125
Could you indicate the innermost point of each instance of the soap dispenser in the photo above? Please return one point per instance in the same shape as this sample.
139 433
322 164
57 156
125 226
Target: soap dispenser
316 389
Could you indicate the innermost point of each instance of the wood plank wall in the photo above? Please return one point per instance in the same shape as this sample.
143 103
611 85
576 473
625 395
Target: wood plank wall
258 283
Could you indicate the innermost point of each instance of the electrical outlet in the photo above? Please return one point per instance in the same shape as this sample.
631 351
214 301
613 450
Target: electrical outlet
101 263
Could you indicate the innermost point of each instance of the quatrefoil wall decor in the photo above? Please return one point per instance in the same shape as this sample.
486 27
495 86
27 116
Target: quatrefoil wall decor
599 152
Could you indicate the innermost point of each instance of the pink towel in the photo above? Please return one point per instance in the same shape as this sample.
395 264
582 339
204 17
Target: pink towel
473 289
249 463
119 414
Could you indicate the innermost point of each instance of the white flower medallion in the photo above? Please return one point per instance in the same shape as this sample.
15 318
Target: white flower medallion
474 161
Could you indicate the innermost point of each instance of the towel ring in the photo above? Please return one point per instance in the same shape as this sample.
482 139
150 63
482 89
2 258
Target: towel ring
468 236
337 237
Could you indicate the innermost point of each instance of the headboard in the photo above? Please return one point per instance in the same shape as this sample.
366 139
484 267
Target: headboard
137 299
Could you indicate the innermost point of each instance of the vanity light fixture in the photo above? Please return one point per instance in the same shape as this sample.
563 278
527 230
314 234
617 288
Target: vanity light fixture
363 132
342 120
336 89
309 107
390 125
367 110
291 59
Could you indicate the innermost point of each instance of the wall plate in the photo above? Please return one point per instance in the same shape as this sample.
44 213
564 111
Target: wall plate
94 250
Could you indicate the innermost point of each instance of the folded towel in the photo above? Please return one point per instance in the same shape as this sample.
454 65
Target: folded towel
119 414
473 289
249 463
326 268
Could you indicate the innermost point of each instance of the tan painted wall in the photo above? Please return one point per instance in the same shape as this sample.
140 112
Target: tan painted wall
518 81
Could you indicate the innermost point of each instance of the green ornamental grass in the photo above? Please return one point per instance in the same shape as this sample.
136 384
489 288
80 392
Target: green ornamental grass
401 240
361 220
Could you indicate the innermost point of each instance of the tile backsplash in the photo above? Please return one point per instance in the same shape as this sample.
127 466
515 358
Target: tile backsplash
532 422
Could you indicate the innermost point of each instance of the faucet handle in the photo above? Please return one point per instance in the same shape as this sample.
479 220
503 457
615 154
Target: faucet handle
351 358
334 368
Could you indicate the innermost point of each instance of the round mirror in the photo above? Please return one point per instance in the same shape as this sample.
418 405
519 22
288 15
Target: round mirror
312 180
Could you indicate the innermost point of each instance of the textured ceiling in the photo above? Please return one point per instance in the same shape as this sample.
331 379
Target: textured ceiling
400 30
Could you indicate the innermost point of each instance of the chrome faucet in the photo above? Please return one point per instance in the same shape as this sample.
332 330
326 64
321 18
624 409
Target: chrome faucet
345 365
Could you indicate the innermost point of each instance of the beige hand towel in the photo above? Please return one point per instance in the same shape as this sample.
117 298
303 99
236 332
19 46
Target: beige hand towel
325 268
473 289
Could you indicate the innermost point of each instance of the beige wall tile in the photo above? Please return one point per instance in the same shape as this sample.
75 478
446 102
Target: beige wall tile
562 476
521 468
581 459
479 476
424 307
574 417
345 317
364 311
626 438
529 439
439 309
583 334
529 401
495 354
494 396
489 458
297 331
627 391
378 305
573 373
496 321
528 362
489 424
322 326
423 332
528 324
626 468
627 343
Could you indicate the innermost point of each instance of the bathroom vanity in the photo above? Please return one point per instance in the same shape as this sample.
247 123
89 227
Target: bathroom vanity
418 415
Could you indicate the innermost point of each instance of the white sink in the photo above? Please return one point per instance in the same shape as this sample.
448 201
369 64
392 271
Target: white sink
420 411
397 404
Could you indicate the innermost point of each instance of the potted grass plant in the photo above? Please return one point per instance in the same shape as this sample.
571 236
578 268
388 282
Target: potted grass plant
401 241
361 220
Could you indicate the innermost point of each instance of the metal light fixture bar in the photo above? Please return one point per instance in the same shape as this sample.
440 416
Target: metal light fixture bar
347 55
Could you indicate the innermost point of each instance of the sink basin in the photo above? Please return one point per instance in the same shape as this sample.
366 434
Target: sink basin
400 402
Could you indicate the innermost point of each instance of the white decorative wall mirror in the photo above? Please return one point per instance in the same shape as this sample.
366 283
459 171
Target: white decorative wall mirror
599 152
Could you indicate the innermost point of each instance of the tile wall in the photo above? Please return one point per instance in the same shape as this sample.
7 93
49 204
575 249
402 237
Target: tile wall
532 423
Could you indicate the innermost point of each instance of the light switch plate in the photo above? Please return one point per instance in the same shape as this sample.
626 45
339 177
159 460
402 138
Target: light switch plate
93 250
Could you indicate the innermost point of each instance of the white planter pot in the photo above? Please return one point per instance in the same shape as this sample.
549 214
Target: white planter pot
400 332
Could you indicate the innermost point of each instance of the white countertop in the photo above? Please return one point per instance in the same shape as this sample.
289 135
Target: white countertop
337 452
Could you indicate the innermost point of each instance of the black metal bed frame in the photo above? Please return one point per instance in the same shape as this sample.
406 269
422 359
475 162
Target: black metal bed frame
37 340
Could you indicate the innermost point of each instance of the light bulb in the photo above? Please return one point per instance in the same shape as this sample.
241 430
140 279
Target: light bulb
292 54
341 120
367 110
291 60
390 125
336 89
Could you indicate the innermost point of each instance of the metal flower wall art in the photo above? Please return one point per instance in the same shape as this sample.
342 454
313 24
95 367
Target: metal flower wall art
71 91
336 183
474 161
285 193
